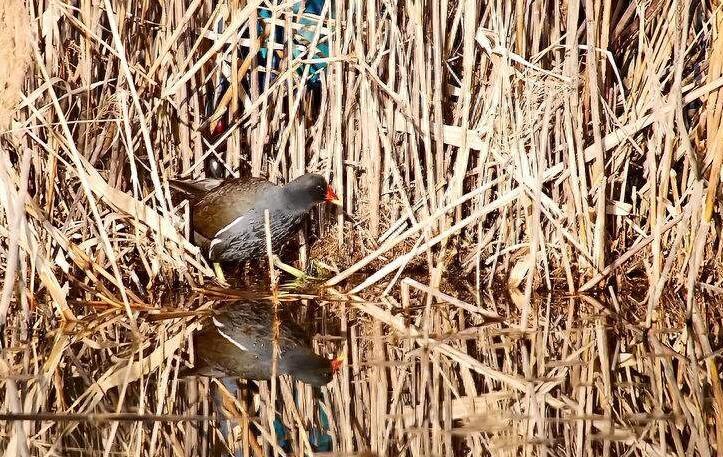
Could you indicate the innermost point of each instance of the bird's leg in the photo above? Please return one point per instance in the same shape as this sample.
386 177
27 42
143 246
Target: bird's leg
219 274
295 272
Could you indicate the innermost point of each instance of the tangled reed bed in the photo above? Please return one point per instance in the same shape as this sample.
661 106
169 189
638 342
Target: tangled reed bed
543 145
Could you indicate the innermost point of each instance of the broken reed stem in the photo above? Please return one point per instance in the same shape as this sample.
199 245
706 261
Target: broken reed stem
106 417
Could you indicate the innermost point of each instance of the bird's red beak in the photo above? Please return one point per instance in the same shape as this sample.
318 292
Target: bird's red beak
331 196
336 363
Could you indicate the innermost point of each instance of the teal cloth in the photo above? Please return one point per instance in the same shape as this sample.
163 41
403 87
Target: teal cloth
319 437
303 36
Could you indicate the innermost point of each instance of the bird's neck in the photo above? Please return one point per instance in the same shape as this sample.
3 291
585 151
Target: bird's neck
298 202
302 358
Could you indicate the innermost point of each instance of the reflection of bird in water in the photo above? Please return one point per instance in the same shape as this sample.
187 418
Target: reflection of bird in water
238 342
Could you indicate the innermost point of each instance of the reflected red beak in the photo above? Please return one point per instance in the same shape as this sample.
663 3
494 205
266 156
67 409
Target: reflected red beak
331 196
218 128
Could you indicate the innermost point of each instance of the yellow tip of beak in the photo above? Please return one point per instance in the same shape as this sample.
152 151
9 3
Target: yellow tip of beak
336 202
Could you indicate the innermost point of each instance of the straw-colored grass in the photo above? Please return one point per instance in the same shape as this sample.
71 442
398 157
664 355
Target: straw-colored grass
534 144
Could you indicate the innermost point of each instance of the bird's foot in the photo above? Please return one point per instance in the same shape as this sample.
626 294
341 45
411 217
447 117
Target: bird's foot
302 280
322 270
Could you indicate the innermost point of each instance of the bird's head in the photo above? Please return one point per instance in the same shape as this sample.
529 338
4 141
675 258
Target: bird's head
312 368
312 188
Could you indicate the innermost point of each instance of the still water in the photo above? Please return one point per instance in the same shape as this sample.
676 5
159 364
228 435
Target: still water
428 372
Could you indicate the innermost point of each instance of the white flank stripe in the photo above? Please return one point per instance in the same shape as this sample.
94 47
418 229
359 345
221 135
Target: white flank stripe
232 341
218 323
234 222
214 242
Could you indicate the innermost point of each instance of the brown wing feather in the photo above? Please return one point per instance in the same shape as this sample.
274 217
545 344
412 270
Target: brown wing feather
225 203
195 189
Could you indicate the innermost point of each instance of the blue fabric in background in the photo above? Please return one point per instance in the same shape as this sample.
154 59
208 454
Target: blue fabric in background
303 36
319 437
281 438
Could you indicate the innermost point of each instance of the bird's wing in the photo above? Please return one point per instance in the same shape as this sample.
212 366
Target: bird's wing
247 331
240 235
216 356
201 369
226 203
195 189
251 330
210 353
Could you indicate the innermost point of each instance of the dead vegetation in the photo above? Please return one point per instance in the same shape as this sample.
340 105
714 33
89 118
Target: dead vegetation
567 146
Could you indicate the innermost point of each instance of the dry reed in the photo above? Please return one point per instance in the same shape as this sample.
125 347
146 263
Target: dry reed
567 146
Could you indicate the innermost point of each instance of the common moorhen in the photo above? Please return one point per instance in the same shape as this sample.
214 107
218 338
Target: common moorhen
238 342
228 216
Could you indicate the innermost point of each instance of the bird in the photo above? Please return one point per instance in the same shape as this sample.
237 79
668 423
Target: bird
228 216
238 341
